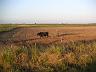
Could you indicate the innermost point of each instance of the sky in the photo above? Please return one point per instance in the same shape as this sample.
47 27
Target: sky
48 11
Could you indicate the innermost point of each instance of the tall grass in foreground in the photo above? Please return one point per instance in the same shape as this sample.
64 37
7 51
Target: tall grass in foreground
69 57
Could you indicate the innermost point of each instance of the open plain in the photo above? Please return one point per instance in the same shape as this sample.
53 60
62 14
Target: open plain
56 34
62 48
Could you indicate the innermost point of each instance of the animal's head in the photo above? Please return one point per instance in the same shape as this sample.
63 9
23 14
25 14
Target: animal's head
38 34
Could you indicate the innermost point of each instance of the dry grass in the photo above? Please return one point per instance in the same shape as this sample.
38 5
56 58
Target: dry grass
56 34
79 56
69 57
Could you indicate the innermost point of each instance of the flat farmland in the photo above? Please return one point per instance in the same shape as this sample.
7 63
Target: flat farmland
68 48
56 34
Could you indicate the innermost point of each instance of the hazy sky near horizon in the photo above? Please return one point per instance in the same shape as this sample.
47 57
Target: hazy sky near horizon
47 11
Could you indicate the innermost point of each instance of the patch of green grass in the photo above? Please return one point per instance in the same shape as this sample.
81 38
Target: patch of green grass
44 25
56 25
6 27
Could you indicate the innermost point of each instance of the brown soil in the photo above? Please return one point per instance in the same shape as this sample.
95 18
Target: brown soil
29 34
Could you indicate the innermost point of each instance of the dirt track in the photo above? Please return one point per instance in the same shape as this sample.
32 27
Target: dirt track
66 34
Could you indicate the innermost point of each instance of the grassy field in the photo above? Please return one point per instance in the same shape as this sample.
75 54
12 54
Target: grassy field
73 56
44 25
6 27
70 57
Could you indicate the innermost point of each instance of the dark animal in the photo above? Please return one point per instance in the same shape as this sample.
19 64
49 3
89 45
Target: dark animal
43 34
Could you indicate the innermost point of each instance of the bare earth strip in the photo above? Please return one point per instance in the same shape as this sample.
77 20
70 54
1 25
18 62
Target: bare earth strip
66 34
